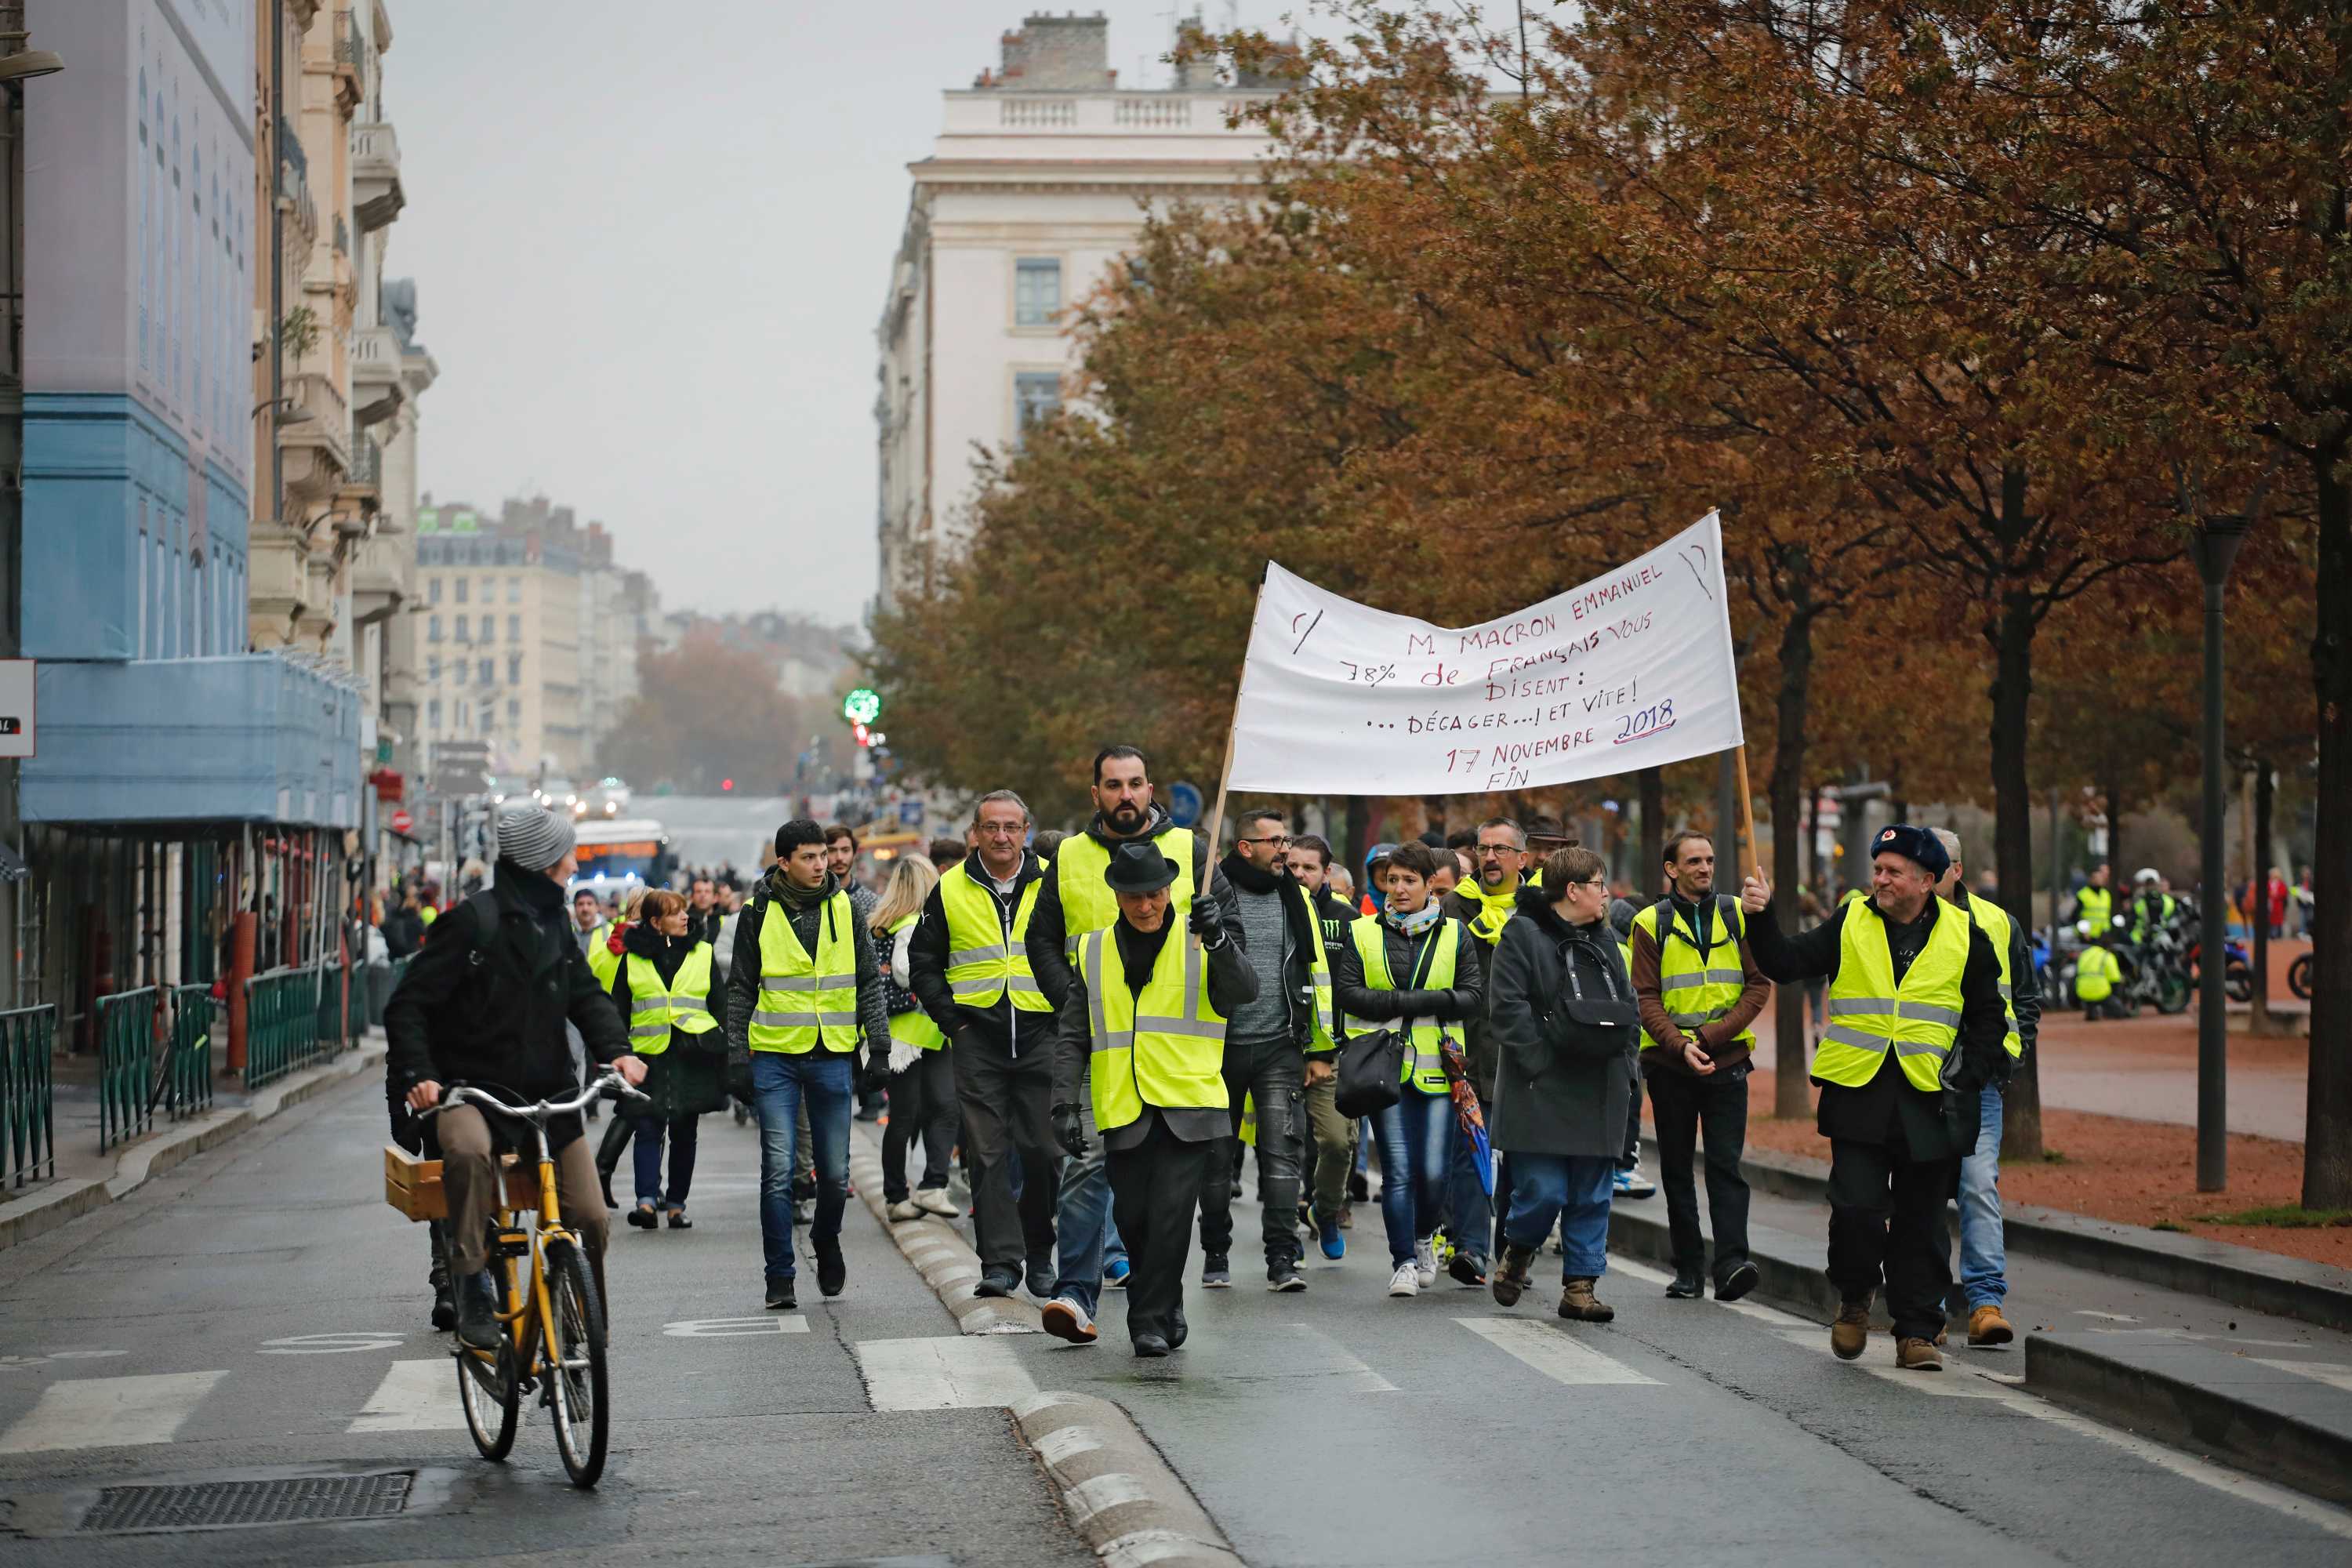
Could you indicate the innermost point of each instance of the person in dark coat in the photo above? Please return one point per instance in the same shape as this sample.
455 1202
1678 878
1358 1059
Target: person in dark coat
685 1072
1566 1029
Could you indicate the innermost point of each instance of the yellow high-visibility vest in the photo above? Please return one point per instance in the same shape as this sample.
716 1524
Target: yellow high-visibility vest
1165 1047
1087 902
914 1027
984 957
1696 990
1998 927
656 1009
1424 1064
1870 1015
805 998
2095 910
602 962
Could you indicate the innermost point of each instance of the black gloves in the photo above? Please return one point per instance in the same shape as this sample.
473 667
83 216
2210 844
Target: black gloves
738 1076
1069 1131
1208 921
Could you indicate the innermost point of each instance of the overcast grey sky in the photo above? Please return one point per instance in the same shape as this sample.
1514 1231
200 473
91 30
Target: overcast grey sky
650 244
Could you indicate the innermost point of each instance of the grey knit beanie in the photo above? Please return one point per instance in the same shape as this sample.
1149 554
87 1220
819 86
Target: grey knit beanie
533 836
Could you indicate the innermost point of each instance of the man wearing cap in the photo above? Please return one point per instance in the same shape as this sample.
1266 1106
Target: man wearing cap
1142 1038
485 1001
1915 1022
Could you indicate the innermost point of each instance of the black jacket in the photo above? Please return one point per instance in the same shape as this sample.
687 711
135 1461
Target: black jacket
743 973
1563 1085
1297 977
1930 1125
1231 983
1478 1048
488 1007
404 931
1048 931
1001 1024
689 1077
1458 1003
1334 914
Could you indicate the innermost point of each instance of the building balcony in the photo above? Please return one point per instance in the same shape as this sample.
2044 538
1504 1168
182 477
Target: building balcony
378 387
376 196
358 498
294 198
318 448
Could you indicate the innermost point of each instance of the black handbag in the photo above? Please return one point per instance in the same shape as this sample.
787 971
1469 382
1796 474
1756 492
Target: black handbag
1602 1028
1371 1066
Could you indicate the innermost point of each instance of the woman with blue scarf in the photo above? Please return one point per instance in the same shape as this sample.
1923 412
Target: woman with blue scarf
1411 968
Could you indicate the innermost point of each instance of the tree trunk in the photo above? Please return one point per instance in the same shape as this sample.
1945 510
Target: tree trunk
1360 832
1650 847
1791 1096
2013 834
2213 948
2327 1117
2117 876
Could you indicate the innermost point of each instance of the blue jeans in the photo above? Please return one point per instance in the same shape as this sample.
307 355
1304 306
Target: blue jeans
1573 1189
649 1154
780 1084
1416 1146
1082 1225
1983 1259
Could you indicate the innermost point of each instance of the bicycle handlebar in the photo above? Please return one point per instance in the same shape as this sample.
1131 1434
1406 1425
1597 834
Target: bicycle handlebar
466 1094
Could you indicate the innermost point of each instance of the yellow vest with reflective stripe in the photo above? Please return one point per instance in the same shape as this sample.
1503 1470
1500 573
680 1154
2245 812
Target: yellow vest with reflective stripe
983 957
1695 991
1087 902
1424 1064
1625 951
1325 1036
602 962
1869 1014
1163 1048
1998 925
2094 909
656 1009
913 1028
804 999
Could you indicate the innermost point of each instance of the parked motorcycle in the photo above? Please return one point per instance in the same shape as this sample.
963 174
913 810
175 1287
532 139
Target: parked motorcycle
2298 976
2238 965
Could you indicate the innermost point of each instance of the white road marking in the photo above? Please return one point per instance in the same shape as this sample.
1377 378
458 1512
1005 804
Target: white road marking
735 1328
941 1373
1065 1443
414 1396
1107 1490
334 1345
110 1412
2334 1373
1552 1352
1642 1271
1360 1378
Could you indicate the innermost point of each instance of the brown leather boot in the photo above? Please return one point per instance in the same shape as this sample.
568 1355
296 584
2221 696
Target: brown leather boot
1988 1327
1578 1305
1850 1332
1918 1355
1510 1277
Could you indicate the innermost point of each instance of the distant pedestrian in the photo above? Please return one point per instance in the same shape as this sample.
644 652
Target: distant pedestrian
947 854
1333 1153
923 1109
1566 1028
664 989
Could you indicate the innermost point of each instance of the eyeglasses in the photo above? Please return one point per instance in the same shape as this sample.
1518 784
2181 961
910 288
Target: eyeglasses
1282 838
1003 830
1498 849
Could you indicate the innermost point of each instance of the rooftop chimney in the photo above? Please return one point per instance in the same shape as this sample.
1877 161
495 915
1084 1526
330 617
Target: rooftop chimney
1068 53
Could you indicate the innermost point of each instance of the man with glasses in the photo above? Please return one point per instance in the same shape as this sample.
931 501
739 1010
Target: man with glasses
1276 1045
841 859
969 966
1334 1155
1500 850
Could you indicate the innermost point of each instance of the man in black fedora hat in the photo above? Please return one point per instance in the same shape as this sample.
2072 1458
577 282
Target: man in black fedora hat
1147 1009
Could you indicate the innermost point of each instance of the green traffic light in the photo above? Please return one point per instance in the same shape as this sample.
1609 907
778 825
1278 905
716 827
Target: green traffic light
862 706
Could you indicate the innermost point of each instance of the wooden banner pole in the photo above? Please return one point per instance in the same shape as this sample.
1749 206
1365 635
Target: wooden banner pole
1746 811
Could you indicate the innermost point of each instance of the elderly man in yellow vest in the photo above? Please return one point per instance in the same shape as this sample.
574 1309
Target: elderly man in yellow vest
1142 1032
804 992
1915 1023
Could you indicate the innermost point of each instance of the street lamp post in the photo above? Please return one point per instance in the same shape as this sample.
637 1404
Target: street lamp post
2218 539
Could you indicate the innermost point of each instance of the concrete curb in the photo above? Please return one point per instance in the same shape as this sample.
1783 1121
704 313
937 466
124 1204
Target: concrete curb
151 1156
938 1251
1119 1494
2242 1276
2251 1433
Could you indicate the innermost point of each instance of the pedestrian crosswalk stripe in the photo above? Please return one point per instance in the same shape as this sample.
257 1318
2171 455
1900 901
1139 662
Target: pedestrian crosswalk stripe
110 1412
1554 1353
941 1373
414 1396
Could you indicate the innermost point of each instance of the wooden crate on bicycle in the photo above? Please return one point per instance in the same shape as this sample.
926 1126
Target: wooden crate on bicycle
413 1185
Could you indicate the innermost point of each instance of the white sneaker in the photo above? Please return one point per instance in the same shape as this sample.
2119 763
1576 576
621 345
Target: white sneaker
903 1210
1632 1183
1065 1320
932 1200
1405 1281
1425 1262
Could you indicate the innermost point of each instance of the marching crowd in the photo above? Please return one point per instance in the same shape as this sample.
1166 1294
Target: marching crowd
1098 1024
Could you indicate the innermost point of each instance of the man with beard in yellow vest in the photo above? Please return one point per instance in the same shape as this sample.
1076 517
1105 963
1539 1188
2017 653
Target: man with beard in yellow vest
1142 1037
1916 1023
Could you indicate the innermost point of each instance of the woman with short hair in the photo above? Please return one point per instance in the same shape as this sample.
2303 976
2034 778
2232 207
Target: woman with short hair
663 987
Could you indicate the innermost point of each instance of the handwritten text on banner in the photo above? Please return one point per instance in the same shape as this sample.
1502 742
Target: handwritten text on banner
1628 671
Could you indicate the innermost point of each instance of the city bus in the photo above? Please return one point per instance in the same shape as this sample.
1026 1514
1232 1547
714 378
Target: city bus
620 857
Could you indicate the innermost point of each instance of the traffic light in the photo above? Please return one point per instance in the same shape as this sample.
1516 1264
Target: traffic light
862 706
726 787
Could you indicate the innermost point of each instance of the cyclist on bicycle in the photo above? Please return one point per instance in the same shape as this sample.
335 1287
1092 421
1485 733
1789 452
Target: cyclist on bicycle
485 1001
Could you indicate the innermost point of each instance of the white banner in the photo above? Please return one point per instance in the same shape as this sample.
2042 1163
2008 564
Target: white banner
1628 671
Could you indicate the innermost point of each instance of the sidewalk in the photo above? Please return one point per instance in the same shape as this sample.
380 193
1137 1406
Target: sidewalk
88 1180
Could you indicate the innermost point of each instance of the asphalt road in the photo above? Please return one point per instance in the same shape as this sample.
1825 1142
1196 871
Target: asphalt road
179 1334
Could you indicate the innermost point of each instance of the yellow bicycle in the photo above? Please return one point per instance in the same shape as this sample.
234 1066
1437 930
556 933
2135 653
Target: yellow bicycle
554 1322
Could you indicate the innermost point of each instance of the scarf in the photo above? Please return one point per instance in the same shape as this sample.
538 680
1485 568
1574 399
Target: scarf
1246 877
1494 909
1420 920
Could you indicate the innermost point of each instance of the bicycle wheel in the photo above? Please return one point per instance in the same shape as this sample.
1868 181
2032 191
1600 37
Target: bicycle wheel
489 1390
578 1385
2298 976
